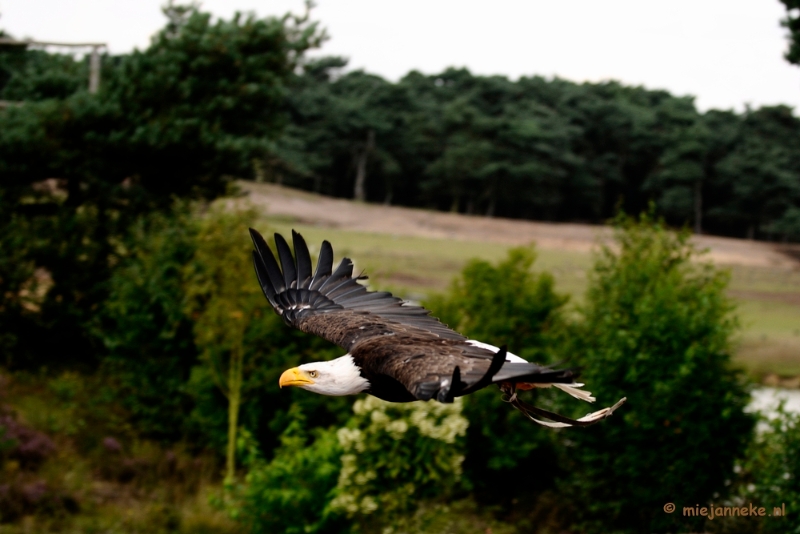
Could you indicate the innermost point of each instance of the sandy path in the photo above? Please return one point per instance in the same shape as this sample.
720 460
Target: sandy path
338 213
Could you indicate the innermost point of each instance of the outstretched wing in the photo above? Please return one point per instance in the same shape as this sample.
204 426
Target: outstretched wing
332 303
399 347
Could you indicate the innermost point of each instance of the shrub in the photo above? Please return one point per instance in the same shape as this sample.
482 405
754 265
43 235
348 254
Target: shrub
656 328
396 455
371 475
144 328
22 286
771 472
291 493
222 298
504 304
233 322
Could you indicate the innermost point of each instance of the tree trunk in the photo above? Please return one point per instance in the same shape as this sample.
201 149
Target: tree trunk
491 194
234 400
455 205
698 207
359 192
490 207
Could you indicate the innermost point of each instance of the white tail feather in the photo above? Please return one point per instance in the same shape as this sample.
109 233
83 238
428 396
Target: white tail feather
573 389
589 418
602 414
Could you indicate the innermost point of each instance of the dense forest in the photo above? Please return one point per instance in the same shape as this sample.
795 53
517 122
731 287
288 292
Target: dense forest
128 303
535 148
540 149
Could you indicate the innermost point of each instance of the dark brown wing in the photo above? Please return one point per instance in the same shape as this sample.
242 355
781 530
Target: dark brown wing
404 352
332 303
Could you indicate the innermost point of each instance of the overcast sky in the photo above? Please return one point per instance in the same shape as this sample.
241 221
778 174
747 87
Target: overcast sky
727 53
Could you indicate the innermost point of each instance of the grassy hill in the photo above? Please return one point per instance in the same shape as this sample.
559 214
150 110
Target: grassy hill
416 252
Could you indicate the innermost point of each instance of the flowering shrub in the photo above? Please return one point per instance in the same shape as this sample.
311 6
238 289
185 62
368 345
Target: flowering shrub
28 447
371 473
396 455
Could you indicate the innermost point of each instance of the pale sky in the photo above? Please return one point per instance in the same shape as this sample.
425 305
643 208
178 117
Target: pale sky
727 53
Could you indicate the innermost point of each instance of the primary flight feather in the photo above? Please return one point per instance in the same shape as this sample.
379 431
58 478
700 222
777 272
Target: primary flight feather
395 351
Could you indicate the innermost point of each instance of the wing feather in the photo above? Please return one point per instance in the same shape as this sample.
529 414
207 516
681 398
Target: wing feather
303 260
269 274
317 306
343 272
287 261
263 279
324 265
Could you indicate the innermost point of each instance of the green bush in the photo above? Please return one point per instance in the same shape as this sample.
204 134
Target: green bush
656 328
148 328
223 301
395 456
20 289
143 326
770 474
505 304
230 315
178 119
388 469
291 493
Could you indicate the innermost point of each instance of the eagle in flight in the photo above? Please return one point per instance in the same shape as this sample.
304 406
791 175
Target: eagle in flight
396 351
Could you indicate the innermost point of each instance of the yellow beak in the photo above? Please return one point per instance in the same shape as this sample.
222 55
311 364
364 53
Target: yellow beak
295 377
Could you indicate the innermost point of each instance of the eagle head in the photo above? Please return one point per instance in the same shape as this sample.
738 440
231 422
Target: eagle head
336 377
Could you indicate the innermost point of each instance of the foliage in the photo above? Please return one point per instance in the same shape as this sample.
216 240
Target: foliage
656 329
167 334
763 186
244 346
222 299
199 104
503 304
792 23
395 455
506 304
770 471
146 487
536 148
144 327
22 290
290 493
455 517
789 224
27 75
205 98
372 473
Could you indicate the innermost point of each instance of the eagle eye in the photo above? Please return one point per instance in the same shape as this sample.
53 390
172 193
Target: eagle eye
312 374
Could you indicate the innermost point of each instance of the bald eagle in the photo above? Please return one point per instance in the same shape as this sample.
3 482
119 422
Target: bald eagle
395 351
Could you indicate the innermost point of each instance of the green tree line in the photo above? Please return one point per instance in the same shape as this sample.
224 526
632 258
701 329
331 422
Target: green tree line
166 122
536 148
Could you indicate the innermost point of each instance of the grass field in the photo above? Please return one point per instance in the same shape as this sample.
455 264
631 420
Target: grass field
768 298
